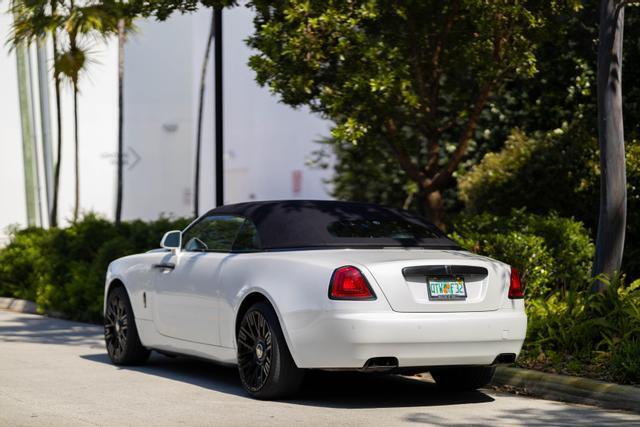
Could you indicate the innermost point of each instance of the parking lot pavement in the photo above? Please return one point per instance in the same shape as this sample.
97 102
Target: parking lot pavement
54 372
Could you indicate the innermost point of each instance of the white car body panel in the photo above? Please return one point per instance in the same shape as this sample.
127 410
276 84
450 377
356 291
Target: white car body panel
186 297
195 311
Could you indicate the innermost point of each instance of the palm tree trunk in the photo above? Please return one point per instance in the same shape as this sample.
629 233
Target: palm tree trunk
76 207
30 160
613 182
53 221
121 41
203 75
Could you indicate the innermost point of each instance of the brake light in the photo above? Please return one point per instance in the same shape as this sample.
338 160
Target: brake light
348 283
516 287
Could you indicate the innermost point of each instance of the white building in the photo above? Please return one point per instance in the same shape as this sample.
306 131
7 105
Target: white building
267 144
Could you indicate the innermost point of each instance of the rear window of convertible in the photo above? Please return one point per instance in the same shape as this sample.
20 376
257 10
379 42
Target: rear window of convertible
376 229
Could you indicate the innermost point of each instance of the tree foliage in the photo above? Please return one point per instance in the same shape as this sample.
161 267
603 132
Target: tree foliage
551 252
412 77
561 95
556 171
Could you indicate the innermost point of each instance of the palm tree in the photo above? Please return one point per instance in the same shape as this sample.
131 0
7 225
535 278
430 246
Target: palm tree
72 28
32 23
124 26
71 62
80 25
121 42
53 220
203 75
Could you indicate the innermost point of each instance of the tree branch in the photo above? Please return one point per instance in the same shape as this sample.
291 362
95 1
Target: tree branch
442 177
433 140
403 157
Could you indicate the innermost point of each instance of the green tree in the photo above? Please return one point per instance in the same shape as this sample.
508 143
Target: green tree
561 95
73 28
123 15
555 171
80 25
413 77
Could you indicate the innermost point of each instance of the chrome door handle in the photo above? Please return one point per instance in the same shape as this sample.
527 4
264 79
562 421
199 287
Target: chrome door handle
165 266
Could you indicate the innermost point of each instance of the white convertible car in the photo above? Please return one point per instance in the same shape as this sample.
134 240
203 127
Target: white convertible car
280 287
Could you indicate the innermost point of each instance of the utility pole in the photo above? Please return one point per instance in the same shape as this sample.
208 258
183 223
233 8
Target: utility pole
218 122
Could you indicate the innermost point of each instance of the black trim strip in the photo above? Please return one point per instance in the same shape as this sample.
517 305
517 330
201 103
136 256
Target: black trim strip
445 270
426 270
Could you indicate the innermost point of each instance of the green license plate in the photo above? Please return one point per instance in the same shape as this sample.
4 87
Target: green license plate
446 288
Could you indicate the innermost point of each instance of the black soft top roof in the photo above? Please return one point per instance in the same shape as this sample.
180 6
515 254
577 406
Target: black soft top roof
288 224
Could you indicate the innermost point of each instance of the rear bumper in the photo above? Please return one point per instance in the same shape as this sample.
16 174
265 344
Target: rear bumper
347 340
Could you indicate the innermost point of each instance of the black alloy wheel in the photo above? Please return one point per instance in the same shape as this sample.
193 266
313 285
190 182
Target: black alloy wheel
116 327
254 350
266 368
120 332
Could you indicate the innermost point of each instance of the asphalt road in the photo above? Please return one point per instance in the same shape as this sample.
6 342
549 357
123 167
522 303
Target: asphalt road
54 372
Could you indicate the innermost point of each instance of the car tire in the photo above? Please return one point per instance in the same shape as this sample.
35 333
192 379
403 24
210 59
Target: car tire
120 332
463 378
265 365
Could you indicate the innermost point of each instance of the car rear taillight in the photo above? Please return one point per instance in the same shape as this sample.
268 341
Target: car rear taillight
348 283
516 287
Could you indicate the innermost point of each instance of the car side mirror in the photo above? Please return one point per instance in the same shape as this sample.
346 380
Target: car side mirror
172 240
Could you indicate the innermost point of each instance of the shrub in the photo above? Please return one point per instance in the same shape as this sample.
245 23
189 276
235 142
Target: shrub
557 171
576 330
550 251
21 263
63 270
554 171
624 362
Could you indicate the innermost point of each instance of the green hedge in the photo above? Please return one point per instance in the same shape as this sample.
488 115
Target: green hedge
551 252
582 333
571 330
63 270
557 171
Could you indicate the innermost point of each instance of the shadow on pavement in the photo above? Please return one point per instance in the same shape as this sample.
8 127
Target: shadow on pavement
427 404
188 370
558 415
320 389
47 330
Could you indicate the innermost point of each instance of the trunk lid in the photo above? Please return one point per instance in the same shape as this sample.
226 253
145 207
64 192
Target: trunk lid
402 275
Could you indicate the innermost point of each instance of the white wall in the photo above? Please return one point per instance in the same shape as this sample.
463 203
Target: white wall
269 139
265 141
159 119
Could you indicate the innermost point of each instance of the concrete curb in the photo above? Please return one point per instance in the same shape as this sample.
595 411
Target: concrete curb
19 305
570 389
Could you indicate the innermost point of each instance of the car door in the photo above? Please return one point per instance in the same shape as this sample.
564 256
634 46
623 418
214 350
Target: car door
186 284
